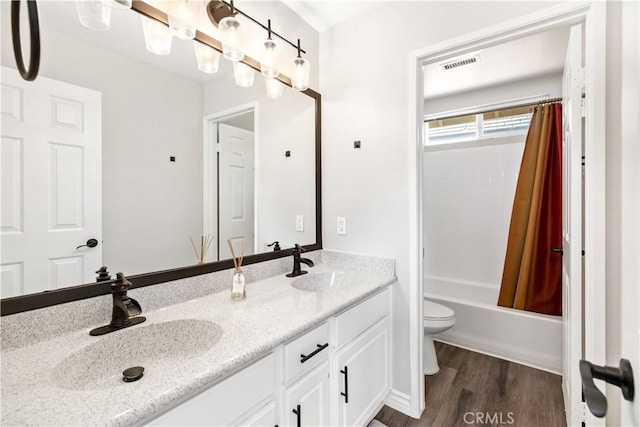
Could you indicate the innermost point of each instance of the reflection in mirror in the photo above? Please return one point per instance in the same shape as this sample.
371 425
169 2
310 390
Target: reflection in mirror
142 153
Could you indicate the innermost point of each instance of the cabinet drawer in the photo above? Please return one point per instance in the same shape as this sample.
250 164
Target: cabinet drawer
306 352
355 320
227 401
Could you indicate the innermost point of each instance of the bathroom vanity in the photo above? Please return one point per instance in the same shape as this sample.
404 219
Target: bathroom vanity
311 350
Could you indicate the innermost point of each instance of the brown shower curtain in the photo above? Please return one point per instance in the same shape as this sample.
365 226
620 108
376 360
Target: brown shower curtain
531 279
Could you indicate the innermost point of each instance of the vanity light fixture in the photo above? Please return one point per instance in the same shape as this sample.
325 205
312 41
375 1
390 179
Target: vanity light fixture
243 74
157 36
182 17
300 77
208 58
95 14
222 14
275 89
268 63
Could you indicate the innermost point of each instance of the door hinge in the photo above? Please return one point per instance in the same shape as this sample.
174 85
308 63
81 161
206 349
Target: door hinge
583 109
219 147
579 78
580 412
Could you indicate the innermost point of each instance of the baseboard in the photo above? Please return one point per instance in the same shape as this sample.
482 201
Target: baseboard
531 359
401 402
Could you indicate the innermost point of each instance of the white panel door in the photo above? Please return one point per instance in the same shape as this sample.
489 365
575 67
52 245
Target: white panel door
51 184
572 228
309 397
236 200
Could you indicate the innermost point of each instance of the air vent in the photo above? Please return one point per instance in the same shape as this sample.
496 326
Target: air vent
459 63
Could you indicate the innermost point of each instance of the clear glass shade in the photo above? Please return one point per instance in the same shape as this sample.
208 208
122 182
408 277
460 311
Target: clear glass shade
208 58
157 36
268 63
275 89
182 18
300 77
95 14
243 73
231 38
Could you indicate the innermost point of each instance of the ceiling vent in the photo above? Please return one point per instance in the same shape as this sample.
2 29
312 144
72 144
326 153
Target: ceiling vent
459 63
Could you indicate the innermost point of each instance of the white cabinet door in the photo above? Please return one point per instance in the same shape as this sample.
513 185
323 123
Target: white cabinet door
363 375
265 416
309 398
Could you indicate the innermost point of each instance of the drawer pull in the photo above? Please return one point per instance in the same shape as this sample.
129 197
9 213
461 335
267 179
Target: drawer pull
298 413
321 347
346 385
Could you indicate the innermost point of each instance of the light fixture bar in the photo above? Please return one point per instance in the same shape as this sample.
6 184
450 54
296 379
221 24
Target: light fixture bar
233 10
149 11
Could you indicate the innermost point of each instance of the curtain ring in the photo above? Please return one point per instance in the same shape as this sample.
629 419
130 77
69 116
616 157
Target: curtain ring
31 73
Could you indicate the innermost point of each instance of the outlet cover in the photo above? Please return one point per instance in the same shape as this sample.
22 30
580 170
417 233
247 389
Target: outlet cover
299 222
342 226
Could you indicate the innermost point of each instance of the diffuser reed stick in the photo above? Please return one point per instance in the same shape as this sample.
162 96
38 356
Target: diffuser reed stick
201 253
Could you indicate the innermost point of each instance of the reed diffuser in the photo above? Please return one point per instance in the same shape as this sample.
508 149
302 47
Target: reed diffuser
201 253
238 290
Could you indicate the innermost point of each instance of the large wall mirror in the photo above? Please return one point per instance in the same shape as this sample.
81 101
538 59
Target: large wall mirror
144 154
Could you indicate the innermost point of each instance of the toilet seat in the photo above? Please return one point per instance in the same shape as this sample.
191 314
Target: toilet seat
434 311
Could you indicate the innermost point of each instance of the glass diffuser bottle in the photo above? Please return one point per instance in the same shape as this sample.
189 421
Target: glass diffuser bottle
238 289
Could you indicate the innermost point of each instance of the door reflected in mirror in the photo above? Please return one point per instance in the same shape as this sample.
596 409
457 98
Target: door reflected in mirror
142 153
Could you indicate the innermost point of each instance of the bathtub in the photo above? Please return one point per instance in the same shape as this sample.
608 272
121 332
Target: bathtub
528 338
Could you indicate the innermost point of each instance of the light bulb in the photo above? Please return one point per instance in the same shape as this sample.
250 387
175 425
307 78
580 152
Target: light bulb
275 89
268 63
243 74
157 36
182 16
95 14
300 77
231 38
208 58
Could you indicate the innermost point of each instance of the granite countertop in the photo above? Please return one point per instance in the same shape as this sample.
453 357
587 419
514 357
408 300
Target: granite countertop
273 313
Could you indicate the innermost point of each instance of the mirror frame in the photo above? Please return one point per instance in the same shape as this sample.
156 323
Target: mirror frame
49 298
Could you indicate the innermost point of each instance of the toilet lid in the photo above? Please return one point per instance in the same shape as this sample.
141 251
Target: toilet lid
431 310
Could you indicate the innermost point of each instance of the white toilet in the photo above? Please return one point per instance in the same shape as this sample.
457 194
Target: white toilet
437 318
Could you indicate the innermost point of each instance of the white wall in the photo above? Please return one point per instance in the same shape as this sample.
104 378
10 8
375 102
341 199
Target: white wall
364 71
547 85
150 205
468 197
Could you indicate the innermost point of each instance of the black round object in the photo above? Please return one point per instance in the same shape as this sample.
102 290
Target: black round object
34 29
132 374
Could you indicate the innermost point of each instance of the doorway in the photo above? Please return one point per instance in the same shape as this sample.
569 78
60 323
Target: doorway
229 206
593 17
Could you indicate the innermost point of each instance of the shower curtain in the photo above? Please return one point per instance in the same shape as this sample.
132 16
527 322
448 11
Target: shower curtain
531 278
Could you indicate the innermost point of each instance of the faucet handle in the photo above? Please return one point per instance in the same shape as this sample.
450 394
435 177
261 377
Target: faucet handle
120 284
103 274
297 248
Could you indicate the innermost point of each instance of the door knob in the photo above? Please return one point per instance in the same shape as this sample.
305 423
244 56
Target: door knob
91 243
621 377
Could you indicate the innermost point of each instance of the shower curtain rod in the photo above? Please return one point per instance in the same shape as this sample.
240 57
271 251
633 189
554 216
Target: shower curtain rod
490 110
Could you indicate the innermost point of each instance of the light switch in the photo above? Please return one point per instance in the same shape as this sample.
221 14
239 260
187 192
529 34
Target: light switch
299 222
342 226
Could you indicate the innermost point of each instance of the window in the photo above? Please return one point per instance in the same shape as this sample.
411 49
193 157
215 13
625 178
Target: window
478 126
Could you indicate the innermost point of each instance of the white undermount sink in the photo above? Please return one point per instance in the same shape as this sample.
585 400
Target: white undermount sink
155 346
317 282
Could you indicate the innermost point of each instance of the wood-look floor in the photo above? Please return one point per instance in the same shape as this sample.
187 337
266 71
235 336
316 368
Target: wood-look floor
473 389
